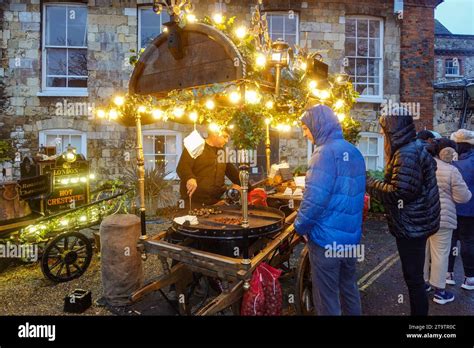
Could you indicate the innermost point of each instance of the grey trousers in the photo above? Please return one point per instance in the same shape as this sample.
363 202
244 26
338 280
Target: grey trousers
335 290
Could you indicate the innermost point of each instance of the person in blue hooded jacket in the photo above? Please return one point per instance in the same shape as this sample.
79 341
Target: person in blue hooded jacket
330 215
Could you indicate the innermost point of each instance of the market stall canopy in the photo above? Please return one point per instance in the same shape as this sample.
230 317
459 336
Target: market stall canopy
194 56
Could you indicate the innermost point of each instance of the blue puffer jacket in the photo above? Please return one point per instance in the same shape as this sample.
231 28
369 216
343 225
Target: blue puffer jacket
465 164
331 210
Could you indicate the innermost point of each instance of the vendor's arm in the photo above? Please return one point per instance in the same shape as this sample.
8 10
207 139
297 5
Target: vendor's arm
232 173
185 172
404 184
320 180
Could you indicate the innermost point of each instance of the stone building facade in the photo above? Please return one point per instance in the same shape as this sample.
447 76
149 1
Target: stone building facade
454 70
51 85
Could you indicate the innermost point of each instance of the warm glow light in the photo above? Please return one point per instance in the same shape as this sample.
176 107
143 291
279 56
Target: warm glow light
286 128
83 218
241 32
101 113
218 18
210 104
269 104
324 94
113 114
316 93
64 222
141 109
231 126
268 121
303 66
341 117
191 18
64 181
83 179
261 60
92 176
193 116
252 97
74 180
214 127
234 97
165 29
157 114
313 84
339 104
178 112
339 79
119 100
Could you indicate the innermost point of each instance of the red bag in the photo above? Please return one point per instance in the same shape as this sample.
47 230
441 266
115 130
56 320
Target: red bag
253 302
258 197
366 207
272 290
265 295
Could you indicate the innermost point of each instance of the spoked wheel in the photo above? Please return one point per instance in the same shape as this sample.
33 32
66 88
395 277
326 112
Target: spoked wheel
66 257
304 285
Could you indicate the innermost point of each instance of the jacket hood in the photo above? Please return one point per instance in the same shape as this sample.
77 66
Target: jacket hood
399 130
323 124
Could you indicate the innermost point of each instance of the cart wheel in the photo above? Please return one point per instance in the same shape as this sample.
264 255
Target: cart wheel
66 257
304 285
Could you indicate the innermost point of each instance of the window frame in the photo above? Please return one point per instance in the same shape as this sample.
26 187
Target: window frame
43 134
380 149
446 60
297 17
179 147
59 91
139 21
370 98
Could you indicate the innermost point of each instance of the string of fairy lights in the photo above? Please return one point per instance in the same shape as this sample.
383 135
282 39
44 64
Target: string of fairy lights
280 83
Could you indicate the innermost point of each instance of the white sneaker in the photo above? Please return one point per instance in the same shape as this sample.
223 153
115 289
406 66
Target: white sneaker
450 278
468 283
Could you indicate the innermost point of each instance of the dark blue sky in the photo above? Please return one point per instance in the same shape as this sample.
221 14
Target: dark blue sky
457 16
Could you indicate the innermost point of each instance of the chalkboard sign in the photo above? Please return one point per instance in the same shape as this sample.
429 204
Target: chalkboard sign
34 187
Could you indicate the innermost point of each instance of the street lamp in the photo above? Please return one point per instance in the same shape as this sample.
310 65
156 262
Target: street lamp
279 58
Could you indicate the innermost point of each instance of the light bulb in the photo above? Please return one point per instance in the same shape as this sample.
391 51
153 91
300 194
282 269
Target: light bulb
313 84
141 109
252 97
339 104
231 126
218 18
324 94
178 112
214 127
210 104
241 32
191 18
261 60
64 222
268 121
269 104
119 100
193 116
234 97
157 114
74 180
341 117
83 218
113 114
101 113
92 176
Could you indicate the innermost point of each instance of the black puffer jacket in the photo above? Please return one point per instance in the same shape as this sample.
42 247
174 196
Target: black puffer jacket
409 191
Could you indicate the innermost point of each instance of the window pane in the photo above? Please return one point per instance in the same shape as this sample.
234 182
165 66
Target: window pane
55 25
374 29
351 69
77 24
363 145
363 48
361 68
160 145
77 83
371 163
148 145
75 141
362 89
350 27
160 163
171 144
151 25
56 61
56 82
351 47
362 28
290 24
149 162
171 163
276 24
374 68
77 62
373 142
374 49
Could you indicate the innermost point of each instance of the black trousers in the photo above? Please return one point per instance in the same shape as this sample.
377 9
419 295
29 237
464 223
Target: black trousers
412 255
465 234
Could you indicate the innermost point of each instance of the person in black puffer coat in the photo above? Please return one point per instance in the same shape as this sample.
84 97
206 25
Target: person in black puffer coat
410 196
